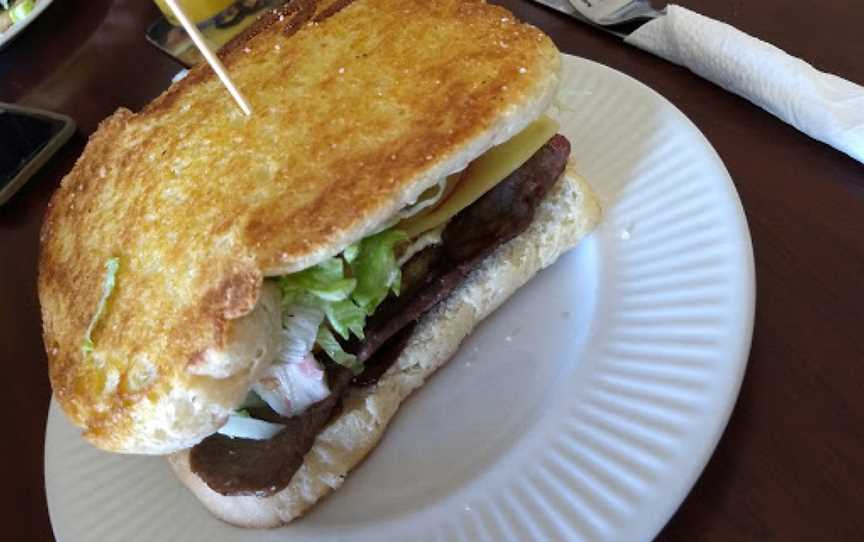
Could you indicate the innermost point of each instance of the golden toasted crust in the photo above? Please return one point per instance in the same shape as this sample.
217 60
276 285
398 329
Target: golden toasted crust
354 116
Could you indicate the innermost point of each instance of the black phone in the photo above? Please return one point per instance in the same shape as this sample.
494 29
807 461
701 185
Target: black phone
28 138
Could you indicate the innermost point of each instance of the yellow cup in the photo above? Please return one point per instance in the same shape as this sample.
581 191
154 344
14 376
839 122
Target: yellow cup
197 10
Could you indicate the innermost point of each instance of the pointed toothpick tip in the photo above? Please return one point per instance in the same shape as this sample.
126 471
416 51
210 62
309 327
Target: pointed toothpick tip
209 55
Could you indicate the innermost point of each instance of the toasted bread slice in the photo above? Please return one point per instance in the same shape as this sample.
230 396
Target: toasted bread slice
565 216
358 108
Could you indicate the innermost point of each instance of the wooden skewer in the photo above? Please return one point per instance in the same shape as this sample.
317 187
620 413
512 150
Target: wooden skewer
211 58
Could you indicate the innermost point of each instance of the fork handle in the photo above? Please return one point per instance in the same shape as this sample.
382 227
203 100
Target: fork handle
822 105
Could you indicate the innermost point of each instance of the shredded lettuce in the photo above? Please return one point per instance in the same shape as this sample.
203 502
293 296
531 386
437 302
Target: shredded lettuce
376 270
345 318
350 253
111 267
327 341
295 379
300 324
291 388
325 281
346 288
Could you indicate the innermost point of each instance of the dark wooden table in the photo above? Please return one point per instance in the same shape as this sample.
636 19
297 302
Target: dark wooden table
791 464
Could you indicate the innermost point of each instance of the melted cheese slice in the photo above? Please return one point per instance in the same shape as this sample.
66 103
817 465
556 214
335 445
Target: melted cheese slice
481 175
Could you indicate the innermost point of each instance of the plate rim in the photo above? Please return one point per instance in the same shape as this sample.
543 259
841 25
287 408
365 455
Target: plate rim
746 297
748 294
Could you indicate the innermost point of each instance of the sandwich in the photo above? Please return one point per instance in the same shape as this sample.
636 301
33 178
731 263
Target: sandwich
254 297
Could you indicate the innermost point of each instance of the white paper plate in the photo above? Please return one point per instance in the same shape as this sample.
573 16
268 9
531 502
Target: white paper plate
584 409
15 29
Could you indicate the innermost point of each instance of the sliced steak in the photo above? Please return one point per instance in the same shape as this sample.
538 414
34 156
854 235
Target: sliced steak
237 466
500 215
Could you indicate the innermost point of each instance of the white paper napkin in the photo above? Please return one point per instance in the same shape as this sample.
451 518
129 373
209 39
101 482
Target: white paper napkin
822 105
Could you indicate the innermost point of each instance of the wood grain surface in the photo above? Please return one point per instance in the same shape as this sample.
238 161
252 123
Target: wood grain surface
791 463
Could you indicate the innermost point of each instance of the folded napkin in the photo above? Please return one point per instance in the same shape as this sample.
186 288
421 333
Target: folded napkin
821 105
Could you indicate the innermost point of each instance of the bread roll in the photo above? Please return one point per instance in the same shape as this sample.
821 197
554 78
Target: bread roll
567 214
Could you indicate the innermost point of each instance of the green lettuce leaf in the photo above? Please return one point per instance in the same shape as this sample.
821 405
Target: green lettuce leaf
111 267
350 253
347 288
344 317
376 269
326 281
327 341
